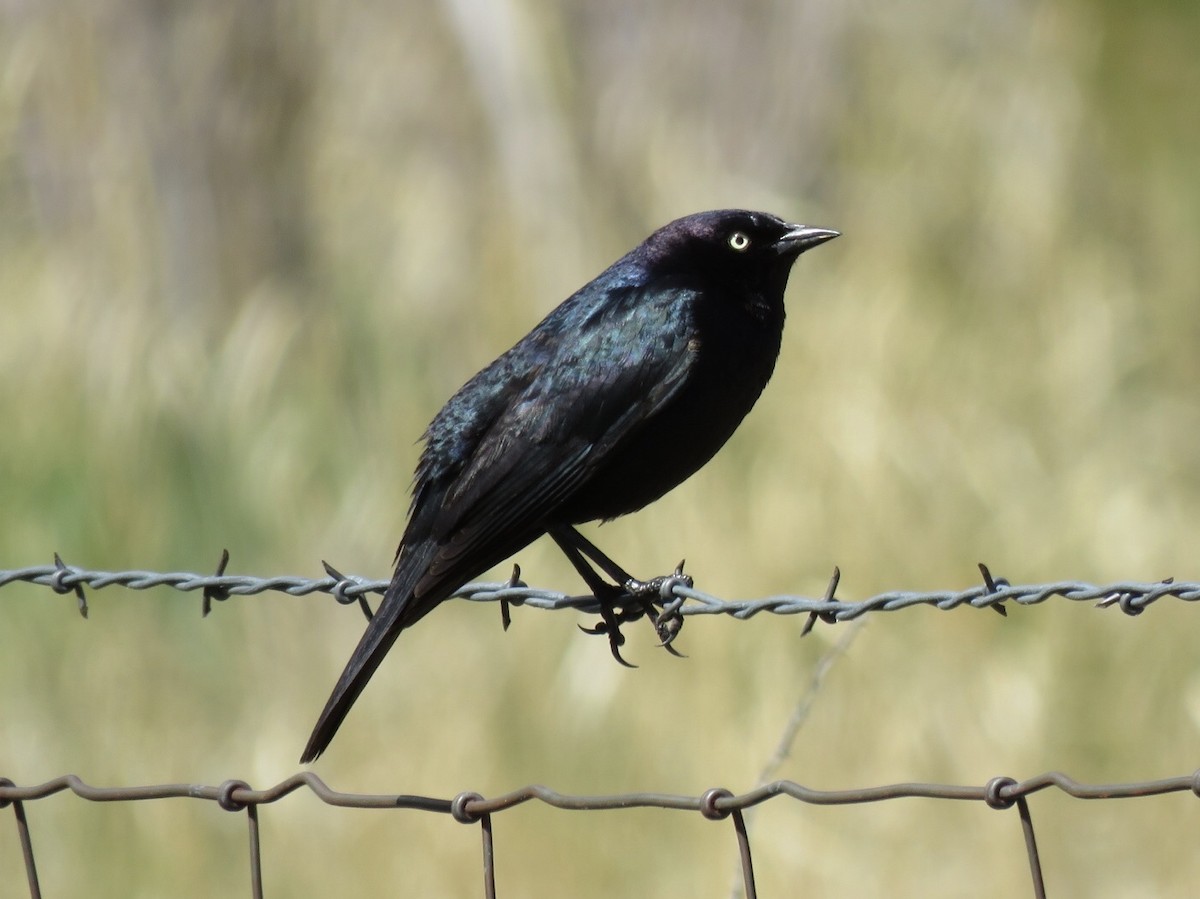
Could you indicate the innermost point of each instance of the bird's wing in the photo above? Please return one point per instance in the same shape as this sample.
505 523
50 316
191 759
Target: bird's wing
598 386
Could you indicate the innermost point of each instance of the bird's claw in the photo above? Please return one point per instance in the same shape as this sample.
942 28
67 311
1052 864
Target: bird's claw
610 626
615 639
669 622
667 625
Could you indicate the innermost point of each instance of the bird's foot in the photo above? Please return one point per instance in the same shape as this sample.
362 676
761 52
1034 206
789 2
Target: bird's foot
668 622
610 626
655 599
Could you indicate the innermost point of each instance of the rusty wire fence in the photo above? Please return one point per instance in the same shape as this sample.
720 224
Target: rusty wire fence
1002 792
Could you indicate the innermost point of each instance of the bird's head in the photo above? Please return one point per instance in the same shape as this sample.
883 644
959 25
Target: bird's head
737 246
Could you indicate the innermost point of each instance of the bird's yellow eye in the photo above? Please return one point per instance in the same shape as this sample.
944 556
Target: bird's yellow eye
739 241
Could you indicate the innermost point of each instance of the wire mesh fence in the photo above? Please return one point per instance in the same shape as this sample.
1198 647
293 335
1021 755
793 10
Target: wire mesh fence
716 804
1001 792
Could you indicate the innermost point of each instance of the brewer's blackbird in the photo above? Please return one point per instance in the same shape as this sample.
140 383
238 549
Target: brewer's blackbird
618 395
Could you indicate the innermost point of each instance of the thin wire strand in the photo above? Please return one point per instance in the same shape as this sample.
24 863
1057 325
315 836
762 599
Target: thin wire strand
476 806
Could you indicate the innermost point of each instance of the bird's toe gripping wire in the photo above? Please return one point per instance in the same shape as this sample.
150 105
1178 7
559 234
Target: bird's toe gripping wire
610 626
664 614
627 600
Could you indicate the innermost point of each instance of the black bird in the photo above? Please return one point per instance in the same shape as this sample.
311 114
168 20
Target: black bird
618 395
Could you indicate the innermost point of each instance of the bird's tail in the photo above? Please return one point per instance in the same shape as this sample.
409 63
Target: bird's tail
397 611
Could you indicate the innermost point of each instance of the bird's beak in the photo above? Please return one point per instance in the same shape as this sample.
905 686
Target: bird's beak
803 237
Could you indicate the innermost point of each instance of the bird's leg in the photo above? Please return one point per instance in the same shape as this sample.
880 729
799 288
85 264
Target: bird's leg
567 536
636 588
667 623
604 592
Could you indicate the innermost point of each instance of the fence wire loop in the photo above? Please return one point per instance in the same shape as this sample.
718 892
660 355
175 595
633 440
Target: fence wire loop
708 804
225 795
994 793
460 811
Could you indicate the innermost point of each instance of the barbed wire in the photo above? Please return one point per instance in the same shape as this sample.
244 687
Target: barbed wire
717 804
1131 597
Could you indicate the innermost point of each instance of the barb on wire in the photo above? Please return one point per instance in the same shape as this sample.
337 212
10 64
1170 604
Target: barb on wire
59 585
212 594
1132 598
993 584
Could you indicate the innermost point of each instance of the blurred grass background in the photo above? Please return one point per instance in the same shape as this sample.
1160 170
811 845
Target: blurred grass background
247 250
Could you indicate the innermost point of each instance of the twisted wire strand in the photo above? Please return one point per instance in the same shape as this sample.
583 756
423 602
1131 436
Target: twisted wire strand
1131 597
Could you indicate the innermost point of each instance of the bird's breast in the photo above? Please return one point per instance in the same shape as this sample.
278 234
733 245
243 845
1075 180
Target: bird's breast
732 360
